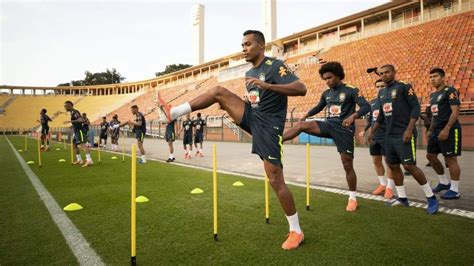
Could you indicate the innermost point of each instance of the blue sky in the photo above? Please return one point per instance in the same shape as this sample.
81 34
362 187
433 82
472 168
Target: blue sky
49 42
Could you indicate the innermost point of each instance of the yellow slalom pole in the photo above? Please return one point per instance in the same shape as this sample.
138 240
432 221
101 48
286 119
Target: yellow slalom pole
39 153
98 152
214 183
307 176
26 142
72 152
267 201
134 206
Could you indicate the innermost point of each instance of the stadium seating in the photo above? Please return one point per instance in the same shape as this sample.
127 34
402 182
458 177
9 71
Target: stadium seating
446 43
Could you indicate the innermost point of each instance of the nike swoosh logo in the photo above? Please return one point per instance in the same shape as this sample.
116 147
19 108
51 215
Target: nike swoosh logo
406 160
272 158
449 152
348 151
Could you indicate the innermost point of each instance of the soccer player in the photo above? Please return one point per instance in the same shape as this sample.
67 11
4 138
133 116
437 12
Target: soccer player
187 127
199 124
85 126
44 119
268 83
444 134
114 132
139 128
79 138
341 100
104 128
401 109
376 147
170 138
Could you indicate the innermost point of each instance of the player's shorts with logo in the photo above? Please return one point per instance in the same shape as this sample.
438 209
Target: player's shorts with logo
188 139
139 135
267 132
377 147
169 136
449 147
343 137
103 135
198 138
79 136
44 131
399 152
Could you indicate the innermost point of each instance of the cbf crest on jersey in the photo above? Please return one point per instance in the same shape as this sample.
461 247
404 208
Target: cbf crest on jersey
439 97
261 77
394 93
342 96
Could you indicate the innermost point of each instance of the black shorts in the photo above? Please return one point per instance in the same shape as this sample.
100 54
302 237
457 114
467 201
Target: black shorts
45 131
115 136
103 135
399 152
449 147
198 138
169 136
79 137
188 139
267 140
377 148
343 137
139 135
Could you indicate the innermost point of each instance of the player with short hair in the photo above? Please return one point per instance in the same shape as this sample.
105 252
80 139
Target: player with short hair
444 134
269 83
104 129
170 138
79 137
341 100
401 110
114 132
44 119
139 128
376 147
187 127
199 124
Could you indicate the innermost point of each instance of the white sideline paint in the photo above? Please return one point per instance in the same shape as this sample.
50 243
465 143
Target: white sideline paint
83 252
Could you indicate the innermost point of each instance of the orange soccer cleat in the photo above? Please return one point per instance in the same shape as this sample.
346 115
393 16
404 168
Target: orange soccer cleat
293 241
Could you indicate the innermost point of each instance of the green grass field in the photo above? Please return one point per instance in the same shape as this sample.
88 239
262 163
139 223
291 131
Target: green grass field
176 226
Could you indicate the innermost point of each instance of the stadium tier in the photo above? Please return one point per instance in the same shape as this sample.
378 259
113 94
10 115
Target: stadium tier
23 111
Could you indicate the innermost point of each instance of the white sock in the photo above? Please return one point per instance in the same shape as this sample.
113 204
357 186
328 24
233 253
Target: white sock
390 183
294 223
454 186
88 157
401 191
171 156
180 110
78 157
383 180
143 158
352 195
200 150
427 189
443 179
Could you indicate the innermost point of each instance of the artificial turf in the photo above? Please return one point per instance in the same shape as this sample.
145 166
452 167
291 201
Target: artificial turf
175 227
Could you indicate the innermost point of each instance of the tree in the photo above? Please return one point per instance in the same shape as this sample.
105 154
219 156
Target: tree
99 78
172 68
